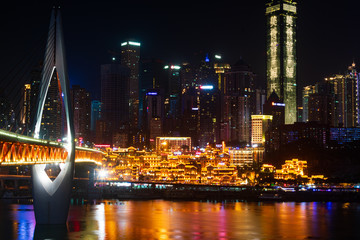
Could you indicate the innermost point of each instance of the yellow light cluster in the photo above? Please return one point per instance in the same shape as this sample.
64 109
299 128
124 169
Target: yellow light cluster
290 60
206 169
292 169
274 71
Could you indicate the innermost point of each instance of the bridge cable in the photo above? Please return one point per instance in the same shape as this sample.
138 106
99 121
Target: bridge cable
13 82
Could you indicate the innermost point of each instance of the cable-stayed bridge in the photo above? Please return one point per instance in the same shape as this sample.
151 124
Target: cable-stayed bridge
29 142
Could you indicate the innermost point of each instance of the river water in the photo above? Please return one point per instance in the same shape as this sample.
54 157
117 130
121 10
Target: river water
160 219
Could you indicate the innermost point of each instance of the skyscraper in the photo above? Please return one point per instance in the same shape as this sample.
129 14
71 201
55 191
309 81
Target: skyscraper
259 125
130 56
206 73
153 115
187 75
81 103
35 77
151 76
281 53
25 111
275 107
95 113
342 95
319 109
352 96
115 99
209 119
190 114
172 100
307 90
238 103
52 114
220 68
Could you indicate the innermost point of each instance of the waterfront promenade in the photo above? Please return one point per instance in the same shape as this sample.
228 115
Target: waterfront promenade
19 187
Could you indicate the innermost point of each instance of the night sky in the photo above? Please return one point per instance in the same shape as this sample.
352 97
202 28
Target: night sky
328 34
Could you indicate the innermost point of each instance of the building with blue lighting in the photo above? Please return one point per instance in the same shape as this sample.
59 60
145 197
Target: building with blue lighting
153 116
344 135
313 133
95 114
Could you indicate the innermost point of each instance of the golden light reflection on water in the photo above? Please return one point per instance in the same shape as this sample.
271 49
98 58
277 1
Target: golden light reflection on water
209 220
201 220
165 220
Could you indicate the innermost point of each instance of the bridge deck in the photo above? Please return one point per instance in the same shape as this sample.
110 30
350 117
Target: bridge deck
17 149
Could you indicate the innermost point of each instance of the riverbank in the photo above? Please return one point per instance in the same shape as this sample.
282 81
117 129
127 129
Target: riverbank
142 191
147 191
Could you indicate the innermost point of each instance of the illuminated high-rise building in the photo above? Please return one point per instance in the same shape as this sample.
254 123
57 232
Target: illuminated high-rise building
352 96
345 95
130 56
220 68
307 90
25 111
259 125
281 53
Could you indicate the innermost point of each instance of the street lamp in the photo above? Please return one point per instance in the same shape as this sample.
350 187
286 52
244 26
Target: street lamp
103 174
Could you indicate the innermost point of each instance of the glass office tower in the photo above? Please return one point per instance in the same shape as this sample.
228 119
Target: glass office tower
281 53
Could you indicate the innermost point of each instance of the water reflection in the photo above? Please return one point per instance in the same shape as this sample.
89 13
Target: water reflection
188 220
24 227
53 232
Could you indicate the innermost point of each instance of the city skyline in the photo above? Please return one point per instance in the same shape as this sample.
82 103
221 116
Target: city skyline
170 34
249 161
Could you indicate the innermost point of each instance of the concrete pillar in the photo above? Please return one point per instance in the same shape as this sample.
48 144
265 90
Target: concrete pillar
52 198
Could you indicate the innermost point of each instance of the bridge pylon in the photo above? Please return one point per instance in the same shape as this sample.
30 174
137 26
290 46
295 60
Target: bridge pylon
52 198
